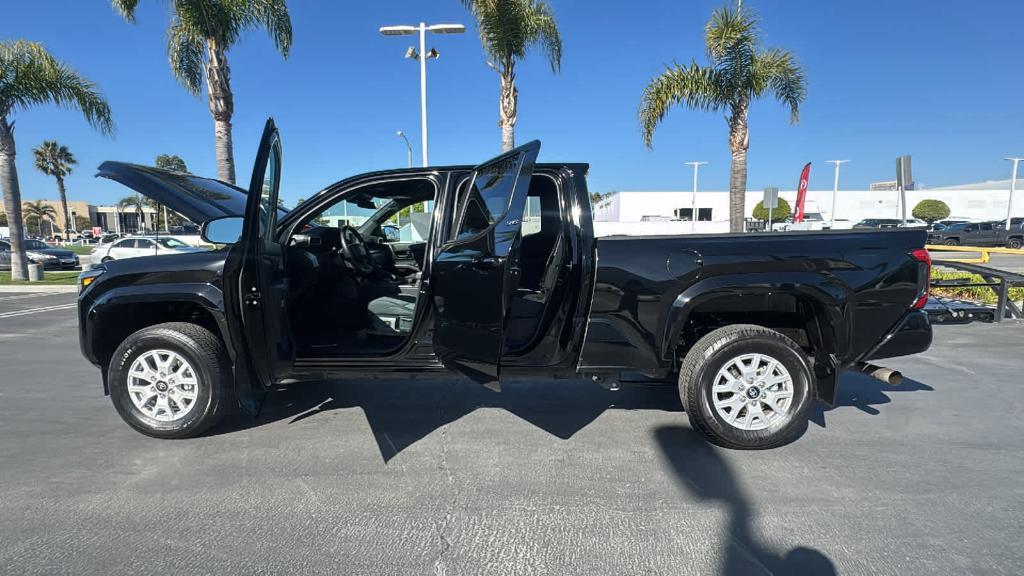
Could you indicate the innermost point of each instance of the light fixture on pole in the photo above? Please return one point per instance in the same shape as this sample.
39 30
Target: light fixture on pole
1013 188
835 191
693 198
401 135
422 56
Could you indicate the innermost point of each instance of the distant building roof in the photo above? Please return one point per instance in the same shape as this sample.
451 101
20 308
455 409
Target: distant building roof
986 185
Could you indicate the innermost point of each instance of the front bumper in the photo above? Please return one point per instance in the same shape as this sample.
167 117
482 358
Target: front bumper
913 334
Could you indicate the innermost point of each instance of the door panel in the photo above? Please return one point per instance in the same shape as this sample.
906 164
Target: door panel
474 275
255 285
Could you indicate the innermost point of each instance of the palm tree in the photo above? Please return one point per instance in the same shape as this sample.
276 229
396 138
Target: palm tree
198 40
739 71
167 162
38 210
31 76
508 28
136 202
171 162
56 160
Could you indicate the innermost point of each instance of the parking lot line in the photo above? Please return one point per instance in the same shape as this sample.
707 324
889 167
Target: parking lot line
24 296
40 310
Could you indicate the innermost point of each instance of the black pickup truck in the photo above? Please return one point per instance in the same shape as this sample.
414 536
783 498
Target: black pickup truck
492 272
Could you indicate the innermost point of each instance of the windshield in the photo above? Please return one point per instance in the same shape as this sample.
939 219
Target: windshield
172 243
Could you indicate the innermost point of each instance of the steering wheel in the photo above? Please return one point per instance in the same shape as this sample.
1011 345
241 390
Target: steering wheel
354 249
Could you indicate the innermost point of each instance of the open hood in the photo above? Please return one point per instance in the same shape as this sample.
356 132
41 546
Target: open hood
196 198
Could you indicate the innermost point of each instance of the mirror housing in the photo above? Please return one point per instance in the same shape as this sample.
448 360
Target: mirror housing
225 230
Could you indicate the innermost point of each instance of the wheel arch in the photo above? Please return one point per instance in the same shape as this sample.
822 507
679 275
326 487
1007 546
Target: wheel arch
119 313
812 309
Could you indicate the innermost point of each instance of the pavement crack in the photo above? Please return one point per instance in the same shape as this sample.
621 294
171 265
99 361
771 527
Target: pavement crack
441 527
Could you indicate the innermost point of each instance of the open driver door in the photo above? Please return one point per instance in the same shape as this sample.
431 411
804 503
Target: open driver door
255 284
475 273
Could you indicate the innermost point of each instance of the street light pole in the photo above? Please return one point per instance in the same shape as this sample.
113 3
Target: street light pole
693 199
835 191
1013 188
401 135
422 56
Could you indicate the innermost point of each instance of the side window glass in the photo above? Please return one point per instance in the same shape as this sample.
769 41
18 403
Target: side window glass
532 216
488 197
144 244
268 192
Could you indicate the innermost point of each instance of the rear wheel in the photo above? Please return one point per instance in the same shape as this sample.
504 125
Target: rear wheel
1014 243
106 259
746 386
170 380
952 242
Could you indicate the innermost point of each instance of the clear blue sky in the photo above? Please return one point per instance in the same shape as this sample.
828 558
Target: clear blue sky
938 80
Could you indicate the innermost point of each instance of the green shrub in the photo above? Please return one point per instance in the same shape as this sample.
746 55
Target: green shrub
931 210
973 294
779 213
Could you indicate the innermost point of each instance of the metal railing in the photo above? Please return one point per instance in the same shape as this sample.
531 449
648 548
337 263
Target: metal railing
999 281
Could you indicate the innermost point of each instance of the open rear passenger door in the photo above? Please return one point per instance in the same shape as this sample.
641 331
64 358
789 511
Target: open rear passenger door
255 285
475 273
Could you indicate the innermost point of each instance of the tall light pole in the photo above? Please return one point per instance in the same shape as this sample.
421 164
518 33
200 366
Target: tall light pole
693 199
401 135
835 191
422 56
1013 188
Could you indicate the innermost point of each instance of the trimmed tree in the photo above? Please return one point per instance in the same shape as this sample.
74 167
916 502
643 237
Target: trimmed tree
198 40
29 77
781 211
56 160
739 71
508 28
931 210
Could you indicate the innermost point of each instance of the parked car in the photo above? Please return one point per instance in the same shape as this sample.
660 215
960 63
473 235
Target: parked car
39 252
1015 239
878 223
982 234
135 246
943 224
751 328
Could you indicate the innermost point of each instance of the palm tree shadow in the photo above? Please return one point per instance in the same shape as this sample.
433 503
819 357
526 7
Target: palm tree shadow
864 393
402 412
705 475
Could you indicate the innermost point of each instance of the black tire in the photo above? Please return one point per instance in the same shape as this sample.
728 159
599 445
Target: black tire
1015 243
202 350
106 259
952 242
711 353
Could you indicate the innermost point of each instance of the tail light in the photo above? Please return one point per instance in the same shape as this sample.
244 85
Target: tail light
924 279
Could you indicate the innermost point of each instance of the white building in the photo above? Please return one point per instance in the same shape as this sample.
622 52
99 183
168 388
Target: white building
662 212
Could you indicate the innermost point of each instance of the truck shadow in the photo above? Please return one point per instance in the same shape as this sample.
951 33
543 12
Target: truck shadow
402 412
864 393
704 475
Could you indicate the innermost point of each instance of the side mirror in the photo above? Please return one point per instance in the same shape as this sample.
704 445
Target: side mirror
968 229
391 233
226 230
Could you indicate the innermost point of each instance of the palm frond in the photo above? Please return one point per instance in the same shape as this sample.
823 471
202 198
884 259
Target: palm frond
185 51
698 87
30 76
271 15
126 8
777 71
509 28
54 159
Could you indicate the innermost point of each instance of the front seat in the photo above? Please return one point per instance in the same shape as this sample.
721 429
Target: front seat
391 315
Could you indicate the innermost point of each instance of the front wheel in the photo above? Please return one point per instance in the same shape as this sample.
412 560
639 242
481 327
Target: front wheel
746 386
1015 243
170 380
952 242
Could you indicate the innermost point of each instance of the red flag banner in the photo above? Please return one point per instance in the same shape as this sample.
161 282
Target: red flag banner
801 193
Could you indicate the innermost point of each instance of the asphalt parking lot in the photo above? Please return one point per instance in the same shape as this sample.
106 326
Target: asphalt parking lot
443 477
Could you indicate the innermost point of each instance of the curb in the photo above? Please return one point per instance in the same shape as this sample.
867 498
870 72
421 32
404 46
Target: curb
43 288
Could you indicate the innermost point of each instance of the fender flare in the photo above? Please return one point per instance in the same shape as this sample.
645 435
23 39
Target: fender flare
828 295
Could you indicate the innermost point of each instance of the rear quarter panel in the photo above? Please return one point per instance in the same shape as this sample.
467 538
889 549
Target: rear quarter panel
862 282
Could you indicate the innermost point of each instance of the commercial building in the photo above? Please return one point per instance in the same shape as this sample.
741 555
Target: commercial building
109 218
661 212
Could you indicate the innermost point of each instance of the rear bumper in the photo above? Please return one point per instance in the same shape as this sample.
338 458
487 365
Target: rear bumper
913 334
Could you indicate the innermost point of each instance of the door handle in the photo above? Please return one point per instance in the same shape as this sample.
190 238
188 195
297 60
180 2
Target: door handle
485 263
